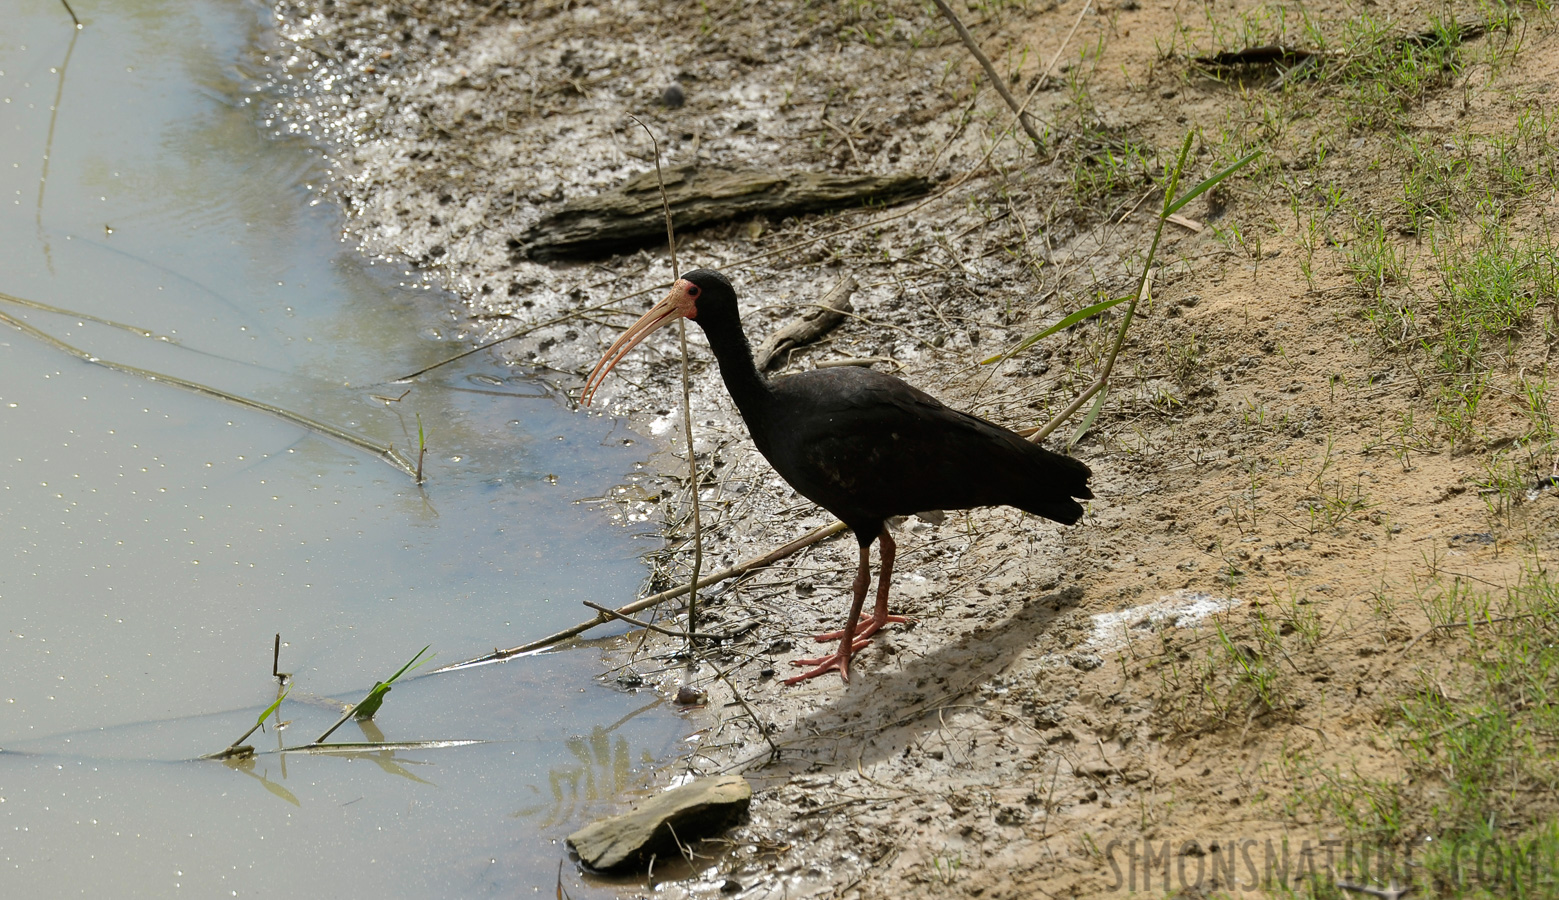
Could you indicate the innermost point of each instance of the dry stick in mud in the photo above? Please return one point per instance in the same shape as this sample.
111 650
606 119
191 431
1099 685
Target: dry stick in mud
687 414
741 568
814 322
640 622
725 676
990 70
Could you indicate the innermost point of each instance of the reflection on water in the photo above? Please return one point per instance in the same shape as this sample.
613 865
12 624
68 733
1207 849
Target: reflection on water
604 771
250 767
153 541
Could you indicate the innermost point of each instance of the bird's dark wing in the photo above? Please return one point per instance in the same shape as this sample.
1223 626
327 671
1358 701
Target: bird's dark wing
867 445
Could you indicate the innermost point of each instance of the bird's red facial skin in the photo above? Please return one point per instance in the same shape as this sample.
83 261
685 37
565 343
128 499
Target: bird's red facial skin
682 302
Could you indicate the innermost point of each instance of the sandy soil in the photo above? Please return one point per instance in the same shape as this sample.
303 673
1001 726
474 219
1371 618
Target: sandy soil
1242 609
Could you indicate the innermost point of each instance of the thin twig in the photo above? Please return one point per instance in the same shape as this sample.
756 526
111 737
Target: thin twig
948 188
54 114
607 610
742 568
856 361
388 454
687 409
536 326
1172 204
136 330
724 675
646 625
990 70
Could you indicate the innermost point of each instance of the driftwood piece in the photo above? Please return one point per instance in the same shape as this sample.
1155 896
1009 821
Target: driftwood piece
630 216
812 324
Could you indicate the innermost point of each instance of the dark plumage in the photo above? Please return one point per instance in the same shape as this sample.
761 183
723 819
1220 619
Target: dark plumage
864 445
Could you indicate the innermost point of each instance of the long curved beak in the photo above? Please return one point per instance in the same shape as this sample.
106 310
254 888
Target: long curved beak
676 304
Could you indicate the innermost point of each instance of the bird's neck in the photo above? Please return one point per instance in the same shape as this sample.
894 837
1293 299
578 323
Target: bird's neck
746 384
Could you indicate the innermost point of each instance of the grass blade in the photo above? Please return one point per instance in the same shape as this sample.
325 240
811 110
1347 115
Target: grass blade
370 704
1086 312
1210 183
237 749
270 709
1098 406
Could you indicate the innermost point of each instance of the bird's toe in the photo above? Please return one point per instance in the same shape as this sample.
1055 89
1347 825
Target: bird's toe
824 665
864 629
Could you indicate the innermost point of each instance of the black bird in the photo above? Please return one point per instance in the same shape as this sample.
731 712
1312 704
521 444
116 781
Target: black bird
863 445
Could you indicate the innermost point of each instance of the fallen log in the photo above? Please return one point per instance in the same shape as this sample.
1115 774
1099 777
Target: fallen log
629 217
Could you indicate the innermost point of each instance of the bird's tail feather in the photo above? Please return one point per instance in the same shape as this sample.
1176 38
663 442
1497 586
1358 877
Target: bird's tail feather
1053 496
1066 511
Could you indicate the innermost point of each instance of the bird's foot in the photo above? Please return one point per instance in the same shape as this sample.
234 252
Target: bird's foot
837 661
831 661
864 629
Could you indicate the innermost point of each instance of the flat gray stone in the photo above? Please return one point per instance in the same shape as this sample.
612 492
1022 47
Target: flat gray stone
695 810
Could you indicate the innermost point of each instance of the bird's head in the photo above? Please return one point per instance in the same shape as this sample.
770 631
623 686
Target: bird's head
701 295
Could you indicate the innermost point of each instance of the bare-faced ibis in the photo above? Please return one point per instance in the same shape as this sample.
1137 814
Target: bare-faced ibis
863 445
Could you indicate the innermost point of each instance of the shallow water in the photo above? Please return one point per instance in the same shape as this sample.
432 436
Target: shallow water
153 540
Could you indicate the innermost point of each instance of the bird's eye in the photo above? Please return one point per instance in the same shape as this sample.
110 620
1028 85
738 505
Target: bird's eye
692 290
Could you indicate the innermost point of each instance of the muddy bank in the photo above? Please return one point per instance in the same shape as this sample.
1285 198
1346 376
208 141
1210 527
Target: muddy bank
1261 500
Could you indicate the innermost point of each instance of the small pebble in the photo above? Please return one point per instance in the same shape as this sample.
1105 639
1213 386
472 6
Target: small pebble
673 96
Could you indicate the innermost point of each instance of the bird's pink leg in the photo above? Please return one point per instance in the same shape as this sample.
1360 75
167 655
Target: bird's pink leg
880 616
840 659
